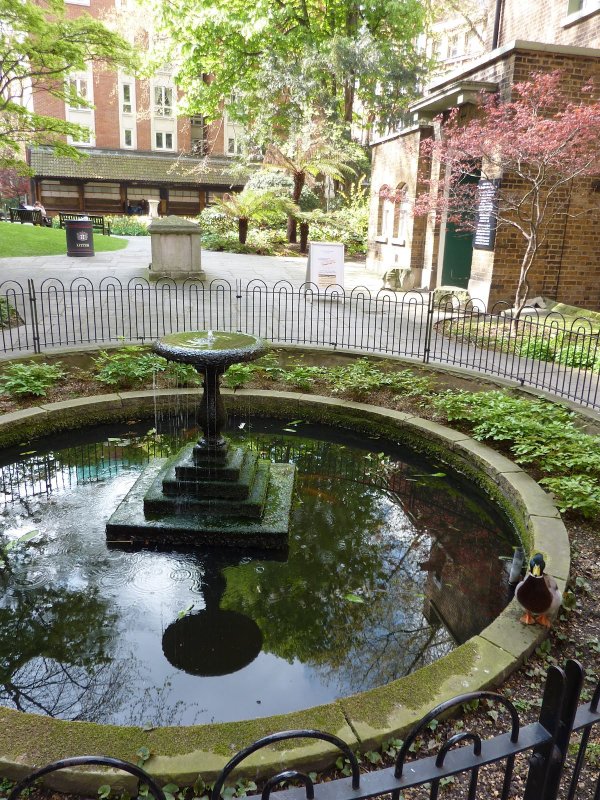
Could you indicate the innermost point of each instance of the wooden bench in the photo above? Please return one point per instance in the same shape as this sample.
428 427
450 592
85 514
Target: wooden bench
97 220
24 215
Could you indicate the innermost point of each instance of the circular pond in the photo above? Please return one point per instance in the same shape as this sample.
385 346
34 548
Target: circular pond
391 563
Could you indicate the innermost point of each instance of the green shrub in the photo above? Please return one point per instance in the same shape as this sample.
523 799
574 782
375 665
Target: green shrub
124 225
363 377
8 314
542 349
129 366
182 374
538 433
238 375
214 221
34 378
575 492
302 377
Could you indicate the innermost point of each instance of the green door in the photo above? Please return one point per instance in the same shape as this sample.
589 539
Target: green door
458 250
458 253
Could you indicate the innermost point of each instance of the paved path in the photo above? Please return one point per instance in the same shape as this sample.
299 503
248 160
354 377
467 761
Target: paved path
373 320
133 261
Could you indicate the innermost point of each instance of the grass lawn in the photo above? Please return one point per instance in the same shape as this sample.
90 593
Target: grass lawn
27 240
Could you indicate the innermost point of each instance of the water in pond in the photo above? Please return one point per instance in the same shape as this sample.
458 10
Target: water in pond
390 565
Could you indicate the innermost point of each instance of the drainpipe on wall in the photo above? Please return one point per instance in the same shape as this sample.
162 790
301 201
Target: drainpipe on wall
497 17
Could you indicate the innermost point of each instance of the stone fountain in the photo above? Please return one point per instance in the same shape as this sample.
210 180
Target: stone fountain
209 493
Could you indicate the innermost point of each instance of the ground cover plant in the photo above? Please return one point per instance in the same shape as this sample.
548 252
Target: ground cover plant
545 438
554 339
29 240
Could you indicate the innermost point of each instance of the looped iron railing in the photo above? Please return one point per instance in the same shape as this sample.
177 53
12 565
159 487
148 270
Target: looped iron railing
265 741
286 776
547 740
545 350
442 708
84 761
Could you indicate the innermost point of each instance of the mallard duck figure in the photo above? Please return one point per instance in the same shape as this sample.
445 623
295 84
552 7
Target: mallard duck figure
538 593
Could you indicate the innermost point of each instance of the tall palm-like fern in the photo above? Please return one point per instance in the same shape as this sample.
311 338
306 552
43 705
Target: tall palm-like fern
251 205
310 154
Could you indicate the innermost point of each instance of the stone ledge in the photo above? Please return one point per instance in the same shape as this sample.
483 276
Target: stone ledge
363 720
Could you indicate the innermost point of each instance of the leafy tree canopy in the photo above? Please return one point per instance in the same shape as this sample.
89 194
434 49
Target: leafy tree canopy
277 63
39 48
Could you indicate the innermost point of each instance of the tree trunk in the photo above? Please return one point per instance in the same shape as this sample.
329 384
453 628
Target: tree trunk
304 237
242 230
522 292
291 230
299 179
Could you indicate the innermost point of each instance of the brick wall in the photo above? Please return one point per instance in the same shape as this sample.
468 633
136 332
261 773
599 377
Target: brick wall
547 21
106 115
568 266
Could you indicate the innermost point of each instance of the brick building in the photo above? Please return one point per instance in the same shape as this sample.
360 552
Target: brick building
138 148
519 38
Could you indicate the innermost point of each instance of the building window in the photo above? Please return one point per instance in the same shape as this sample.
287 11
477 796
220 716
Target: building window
400 214
78 87
163 101
163 141
126 106
234 146
128 137
453 46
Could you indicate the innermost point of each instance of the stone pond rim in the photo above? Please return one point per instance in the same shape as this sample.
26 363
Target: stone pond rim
363 720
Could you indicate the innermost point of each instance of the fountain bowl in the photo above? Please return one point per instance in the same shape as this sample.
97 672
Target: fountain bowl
210 349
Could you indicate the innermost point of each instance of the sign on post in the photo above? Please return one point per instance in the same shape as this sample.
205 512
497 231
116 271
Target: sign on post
325 264
487 207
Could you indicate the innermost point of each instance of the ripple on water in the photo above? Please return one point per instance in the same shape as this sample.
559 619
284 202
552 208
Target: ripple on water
31 578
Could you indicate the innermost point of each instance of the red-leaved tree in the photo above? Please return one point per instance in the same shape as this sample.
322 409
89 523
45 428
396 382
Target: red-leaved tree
535 148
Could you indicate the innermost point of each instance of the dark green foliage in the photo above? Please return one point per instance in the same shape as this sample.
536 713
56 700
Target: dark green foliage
539 434
34 378
362 377
135 366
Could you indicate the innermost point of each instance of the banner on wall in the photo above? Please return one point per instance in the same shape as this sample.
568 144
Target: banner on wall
325 265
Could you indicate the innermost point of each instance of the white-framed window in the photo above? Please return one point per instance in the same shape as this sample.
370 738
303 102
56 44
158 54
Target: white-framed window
79 86
453 50
234 137
163 101
128 137
126 106
577 6
163 140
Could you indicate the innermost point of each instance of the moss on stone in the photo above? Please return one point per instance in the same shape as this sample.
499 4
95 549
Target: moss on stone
413 691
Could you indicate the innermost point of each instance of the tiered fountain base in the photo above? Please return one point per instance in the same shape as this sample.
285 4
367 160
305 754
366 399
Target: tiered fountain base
236 500
209 493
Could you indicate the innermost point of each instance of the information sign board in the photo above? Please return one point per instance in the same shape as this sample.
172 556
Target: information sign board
325 265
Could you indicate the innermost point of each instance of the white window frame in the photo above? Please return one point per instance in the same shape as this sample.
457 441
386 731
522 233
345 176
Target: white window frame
81 115
163 145
129 144
126 101
161 108
80 81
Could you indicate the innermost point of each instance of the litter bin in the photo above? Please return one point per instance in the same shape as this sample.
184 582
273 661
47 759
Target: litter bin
80 237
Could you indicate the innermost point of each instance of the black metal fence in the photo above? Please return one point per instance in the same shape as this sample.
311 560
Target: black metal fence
546 743
545 351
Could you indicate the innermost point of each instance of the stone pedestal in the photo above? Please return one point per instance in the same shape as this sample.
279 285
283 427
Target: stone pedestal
153 208
175 246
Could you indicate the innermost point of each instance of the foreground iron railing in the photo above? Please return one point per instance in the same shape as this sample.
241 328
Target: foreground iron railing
545 351
546 743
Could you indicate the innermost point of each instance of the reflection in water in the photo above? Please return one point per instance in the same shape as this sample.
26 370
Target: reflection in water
389 565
